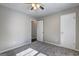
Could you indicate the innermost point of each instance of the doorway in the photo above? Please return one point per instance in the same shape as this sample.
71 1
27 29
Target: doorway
34 30
37 30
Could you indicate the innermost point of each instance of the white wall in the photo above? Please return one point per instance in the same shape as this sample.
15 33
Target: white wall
51 29
15 28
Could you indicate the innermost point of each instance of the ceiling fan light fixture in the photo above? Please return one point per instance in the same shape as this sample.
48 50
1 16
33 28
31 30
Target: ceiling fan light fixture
38 5
34 8
33 5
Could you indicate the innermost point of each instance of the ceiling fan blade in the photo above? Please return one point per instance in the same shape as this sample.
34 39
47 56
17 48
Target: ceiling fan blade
42 7
32 8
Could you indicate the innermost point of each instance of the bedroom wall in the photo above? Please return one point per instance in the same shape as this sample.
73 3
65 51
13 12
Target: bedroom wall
15 28
52 27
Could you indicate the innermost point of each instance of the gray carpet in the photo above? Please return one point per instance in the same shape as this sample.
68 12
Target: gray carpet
48 49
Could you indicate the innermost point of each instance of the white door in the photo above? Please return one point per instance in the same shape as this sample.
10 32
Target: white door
40 30
68 32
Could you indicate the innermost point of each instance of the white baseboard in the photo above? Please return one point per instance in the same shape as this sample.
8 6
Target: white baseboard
16 46
60 45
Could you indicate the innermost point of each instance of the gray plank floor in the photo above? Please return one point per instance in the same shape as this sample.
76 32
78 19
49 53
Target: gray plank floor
48 49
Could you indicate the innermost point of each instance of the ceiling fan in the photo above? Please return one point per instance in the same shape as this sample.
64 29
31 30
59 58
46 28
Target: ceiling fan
36 6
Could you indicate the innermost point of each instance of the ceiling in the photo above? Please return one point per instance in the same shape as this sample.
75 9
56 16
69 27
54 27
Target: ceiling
49 8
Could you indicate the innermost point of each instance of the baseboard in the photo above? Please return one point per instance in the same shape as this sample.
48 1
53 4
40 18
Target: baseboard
60 45
16 46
